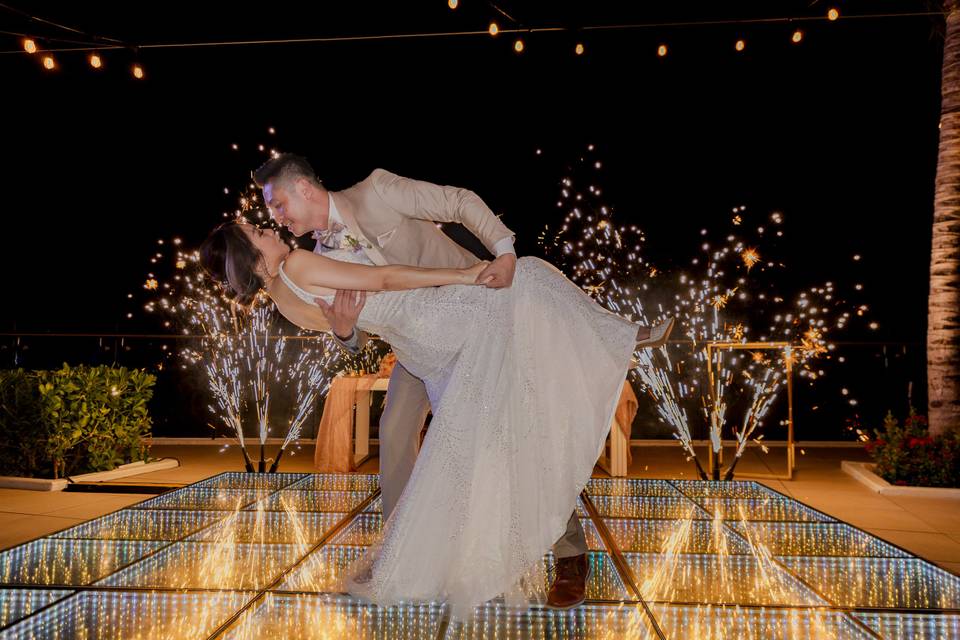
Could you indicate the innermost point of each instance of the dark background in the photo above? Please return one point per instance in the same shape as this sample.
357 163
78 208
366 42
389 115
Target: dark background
838 133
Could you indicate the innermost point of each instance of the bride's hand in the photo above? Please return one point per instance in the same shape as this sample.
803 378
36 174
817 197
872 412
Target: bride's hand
471 273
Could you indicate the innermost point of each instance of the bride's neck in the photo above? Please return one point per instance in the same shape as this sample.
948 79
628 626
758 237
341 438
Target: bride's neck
272 266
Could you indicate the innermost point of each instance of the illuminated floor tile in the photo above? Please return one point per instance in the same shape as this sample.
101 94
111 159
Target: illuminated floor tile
908 583
328 617
706 622
496 622
209 565
361 531
144 524
52 561
190 498
815 539
647 507
269 527
366 483
19 603
289 499
101 615
912 626
734 489
630 487
322 570
241 480
773 508
650 536
713 579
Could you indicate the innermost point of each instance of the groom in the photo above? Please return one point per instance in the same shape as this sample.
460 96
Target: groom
389 219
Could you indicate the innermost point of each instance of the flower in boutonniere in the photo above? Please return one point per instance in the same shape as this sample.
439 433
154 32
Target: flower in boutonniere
347 241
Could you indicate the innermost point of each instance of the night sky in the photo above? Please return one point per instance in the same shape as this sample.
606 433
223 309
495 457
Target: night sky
839 133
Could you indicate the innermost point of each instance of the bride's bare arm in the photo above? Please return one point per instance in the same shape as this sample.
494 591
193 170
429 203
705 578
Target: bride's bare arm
311 268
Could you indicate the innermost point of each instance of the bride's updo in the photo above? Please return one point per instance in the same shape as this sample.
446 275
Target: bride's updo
231 258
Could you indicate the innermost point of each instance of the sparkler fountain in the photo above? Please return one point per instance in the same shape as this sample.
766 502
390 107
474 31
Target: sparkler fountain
719 301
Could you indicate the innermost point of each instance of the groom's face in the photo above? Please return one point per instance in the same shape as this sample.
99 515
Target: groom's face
287 207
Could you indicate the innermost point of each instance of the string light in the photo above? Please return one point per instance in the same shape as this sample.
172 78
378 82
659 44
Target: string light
833 14
95 61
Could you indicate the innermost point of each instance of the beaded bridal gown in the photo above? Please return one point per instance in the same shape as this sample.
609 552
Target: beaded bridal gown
523 383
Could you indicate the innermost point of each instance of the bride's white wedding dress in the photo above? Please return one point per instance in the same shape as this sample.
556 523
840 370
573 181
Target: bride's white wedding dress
523 382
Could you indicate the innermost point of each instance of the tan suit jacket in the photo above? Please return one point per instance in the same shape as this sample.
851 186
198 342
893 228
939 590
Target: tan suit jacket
397 217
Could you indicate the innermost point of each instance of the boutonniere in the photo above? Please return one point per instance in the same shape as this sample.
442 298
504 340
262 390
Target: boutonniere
337 236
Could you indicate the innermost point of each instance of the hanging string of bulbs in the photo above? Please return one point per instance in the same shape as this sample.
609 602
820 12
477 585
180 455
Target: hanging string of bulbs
96 46
740 44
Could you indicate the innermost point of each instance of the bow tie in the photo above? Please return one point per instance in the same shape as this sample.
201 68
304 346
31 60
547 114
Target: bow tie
325 235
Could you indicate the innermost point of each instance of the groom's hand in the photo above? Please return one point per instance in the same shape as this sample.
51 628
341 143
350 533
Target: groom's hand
343 313
499 273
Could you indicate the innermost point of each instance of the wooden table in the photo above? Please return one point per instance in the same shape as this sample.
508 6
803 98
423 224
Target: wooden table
614 460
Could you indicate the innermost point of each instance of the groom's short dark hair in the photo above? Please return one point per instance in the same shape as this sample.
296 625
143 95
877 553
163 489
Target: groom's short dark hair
285 166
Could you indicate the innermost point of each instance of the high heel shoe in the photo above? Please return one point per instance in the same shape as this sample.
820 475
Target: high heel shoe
658 335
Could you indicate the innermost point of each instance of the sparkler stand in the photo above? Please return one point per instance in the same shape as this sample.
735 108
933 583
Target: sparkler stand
715 458
247 462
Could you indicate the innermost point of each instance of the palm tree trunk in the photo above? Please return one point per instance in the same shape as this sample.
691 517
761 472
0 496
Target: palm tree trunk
943 327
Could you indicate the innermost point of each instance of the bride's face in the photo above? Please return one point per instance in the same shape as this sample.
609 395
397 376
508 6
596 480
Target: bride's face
267 241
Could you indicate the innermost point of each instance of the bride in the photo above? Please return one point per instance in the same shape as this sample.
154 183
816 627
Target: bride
523 382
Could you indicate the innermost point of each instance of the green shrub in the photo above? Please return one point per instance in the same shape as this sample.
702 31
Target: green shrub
73 420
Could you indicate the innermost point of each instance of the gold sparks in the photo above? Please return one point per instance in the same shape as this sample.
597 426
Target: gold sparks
720 300
737 220
813 342
750 258
151 284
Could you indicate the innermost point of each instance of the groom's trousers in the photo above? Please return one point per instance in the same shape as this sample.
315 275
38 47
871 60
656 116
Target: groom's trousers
406 410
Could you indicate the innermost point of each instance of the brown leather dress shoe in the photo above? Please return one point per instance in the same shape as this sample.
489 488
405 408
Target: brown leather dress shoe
569 587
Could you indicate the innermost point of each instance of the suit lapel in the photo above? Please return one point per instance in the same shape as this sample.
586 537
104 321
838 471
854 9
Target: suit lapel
345 208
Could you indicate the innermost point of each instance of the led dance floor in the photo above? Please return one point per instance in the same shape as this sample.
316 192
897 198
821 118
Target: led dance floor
246 556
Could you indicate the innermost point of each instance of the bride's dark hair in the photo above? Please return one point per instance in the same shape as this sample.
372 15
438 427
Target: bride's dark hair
231 259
